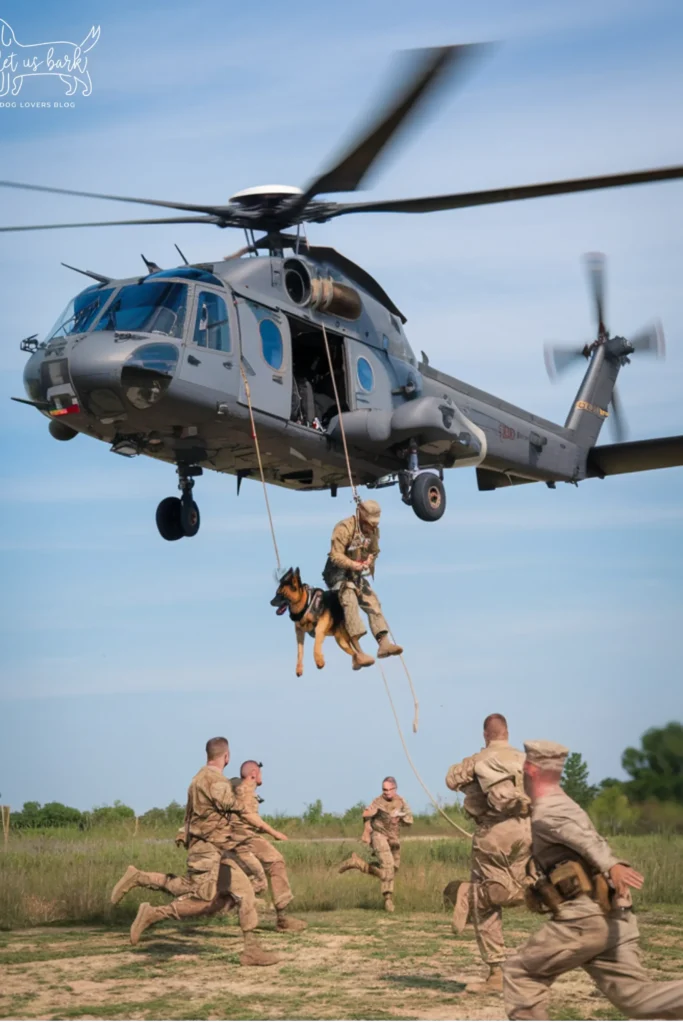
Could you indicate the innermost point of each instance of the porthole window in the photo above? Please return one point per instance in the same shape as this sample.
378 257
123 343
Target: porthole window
366 378
271 343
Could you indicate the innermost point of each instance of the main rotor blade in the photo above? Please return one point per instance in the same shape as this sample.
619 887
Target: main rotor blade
595 264
113 223
619 428
192 207
433 65
650 341
459 200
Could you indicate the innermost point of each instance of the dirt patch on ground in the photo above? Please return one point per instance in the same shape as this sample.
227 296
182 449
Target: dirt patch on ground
347 965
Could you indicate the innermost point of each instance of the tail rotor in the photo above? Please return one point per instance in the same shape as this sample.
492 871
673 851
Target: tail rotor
649 341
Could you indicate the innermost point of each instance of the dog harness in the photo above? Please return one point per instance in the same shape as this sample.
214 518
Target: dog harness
314 601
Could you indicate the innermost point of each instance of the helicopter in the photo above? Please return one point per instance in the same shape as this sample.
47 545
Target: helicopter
303 347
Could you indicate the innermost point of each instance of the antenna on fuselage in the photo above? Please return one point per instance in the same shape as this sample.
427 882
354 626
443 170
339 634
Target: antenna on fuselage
182 255
89 273
150 264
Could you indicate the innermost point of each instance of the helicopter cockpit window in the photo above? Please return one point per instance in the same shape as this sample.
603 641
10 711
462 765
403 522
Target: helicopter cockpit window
271 343
211 328
399 348
193 273
155 307
80 312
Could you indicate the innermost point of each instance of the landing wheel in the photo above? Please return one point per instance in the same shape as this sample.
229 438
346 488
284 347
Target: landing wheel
428 497
189 518
169 519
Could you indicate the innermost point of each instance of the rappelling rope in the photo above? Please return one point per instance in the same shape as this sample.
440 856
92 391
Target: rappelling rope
340 420
417 775
254 438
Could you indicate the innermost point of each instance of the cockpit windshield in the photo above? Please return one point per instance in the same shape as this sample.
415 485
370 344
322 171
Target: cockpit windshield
399 347
80 312
155 307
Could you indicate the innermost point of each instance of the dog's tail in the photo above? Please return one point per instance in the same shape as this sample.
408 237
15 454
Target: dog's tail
90 40
7 36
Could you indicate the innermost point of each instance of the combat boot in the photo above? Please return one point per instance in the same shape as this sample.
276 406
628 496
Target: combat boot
361 660
386 648
285 923
354 862
494 982
147 916
389 903
127 882
461 907
254 955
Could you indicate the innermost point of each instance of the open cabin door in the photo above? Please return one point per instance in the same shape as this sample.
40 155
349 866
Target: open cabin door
266 357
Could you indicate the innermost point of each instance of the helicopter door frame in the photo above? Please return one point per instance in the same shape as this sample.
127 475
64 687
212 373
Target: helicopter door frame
210 368
264 336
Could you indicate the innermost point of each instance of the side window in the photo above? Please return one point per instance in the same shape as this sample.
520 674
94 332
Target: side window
271 343
366 377
211 327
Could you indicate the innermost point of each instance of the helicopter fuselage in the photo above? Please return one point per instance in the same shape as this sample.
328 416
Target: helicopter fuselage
160 365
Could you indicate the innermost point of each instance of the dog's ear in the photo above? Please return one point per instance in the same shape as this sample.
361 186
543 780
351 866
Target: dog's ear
297 574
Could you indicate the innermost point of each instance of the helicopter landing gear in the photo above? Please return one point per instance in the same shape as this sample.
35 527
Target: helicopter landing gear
179 517
421 489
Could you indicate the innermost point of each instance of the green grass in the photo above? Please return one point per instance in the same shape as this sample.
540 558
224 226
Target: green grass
349 965
48 880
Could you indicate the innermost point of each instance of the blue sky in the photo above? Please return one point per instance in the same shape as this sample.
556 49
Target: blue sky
121 653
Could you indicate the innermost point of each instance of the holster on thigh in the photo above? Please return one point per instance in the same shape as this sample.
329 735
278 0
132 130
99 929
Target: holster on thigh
223 885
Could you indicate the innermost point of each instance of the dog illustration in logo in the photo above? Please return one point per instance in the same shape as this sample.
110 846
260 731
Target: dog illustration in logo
316 612
63 59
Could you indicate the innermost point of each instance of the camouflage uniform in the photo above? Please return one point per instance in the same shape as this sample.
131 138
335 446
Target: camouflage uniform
385 818
580 933
253 851
349 545
214 879
494 797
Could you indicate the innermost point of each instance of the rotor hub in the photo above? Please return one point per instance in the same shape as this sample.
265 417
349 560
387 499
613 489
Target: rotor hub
264 195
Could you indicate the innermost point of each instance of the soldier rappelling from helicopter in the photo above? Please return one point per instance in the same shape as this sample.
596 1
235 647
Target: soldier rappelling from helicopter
353 553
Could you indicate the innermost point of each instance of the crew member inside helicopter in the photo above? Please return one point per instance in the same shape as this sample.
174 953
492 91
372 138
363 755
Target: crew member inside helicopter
353 553
313 400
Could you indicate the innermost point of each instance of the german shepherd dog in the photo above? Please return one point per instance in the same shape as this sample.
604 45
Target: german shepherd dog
316 612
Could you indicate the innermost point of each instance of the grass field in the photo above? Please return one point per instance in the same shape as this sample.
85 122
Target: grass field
64 951
349 965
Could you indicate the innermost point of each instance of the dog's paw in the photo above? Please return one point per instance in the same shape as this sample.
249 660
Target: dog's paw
299 670
320 664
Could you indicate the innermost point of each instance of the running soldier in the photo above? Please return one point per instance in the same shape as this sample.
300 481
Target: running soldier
214 880
587 891
256 856
383 819
492 783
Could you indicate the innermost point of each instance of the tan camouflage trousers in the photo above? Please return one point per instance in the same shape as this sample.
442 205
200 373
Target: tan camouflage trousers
353 599
258 858
607 949
500 853
214 882
388 856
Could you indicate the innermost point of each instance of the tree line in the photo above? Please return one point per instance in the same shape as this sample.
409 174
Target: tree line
651 799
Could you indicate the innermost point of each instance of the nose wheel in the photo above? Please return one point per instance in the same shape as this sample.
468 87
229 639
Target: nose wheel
179 517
